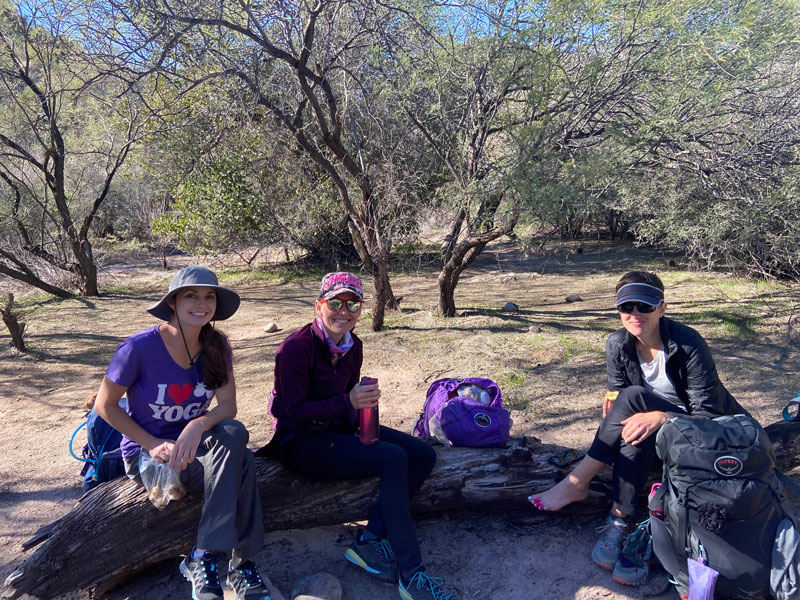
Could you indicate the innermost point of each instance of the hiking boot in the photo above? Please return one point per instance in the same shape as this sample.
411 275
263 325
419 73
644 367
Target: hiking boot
630 572
423 587
247 583
632 566
202 573
374 556
606 550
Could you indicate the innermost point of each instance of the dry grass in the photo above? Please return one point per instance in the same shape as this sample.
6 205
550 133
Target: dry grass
547 357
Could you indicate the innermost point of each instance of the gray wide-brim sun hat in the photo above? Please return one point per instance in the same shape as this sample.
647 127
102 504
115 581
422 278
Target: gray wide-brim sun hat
227 300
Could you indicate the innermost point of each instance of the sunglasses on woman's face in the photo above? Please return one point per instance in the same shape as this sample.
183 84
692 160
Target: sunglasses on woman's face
335 304
627 307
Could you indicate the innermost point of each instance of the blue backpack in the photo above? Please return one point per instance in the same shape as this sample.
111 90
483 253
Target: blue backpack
465 412
102 456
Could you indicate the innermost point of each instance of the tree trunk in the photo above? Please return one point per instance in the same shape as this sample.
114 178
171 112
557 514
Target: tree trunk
88 269
457 257
114 532
23 273
465 254
15 328
448 280
376 262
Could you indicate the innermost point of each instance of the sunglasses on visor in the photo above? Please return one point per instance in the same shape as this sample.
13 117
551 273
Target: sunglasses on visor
627 307
335 304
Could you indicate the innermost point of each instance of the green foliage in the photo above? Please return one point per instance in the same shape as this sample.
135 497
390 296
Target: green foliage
216 209
673 121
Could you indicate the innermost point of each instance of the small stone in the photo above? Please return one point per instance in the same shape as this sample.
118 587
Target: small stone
270 328
319 586
510 307
573 298
534 329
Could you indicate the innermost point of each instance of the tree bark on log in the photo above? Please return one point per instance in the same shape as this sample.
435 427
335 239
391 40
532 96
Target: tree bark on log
84 549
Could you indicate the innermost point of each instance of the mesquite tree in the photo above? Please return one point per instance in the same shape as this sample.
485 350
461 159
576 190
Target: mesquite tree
67 125
306 69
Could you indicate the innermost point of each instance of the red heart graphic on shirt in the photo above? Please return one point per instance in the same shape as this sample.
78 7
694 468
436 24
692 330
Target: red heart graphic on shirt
180 393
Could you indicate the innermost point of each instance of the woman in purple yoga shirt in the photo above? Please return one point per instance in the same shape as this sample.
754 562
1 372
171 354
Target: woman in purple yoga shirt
170 373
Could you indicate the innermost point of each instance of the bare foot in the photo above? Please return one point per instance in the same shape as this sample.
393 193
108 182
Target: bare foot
566 491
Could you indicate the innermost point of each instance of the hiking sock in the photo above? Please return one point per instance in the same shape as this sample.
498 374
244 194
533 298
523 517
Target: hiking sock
619 521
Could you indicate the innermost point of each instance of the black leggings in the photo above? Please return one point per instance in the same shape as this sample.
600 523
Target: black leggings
401 461
632 464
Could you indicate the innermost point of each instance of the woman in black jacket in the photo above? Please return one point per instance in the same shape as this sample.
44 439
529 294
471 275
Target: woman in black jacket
658 368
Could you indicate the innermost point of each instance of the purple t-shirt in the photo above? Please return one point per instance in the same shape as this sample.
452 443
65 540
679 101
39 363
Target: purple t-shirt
162 396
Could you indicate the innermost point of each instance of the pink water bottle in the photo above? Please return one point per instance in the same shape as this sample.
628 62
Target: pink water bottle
368 417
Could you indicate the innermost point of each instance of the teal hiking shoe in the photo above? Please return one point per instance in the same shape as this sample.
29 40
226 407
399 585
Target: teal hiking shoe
374 556
632 566
606 551
202 573
246 582
424 587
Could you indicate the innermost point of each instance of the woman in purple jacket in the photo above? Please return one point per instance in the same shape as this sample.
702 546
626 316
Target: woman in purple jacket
315 403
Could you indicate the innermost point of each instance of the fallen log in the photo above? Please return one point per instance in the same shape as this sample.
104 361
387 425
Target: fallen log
82 551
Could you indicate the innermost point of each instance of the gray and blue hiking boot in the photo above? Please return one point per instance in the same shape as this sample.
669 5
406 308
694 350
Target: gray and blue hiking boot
632 566
606 551
374 556
424 587
246 582
202 573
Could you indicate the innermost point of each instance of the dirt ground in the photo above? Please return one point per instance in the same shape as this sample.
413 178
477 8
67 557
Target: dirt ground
547 357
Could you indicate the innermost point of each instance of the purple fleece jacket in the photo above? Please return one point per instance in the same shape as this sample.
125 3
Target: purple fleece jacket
310 393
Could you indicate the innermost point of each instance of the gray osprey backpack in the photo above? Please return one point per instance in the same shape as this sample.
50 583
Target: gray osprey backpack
723 502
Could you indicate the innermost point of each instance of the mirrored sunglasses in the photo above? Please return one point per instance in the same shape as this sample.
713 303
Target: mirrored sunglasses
335 304
627 307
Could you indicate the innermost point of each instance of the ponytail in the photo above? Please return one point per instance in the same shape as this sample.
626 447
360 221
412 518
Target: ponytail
214 359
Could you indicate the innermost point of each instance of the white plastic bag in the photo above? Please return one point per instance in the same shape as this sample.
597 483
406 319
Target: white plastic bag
435 427
162 483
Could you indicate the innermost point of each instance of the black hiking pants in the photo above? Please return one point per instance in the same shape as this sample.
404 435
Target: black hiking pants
401 461
631 464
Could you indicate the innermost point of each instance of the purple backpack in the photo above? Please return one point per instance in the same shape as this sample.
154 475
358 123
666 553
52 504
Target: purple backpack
472 419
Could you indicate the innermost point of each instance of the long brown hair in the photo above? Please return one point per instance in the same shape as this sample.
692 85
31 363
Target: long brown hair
214 357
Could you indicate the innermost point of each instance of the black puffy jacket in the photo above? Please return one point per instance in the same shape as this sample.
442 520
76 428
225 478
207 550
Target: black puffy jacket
690 368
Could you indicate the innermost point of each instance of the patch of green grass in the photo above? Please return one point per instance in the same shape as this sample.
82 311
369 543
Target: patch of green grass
276 276
514 379
733 323
123 290
739 286
411 249
119 244
34 301
516 390
574 346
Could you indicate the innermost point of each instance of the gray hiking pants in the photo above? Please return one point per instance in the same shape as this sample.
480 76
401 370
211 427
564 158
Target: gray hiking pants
224 468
